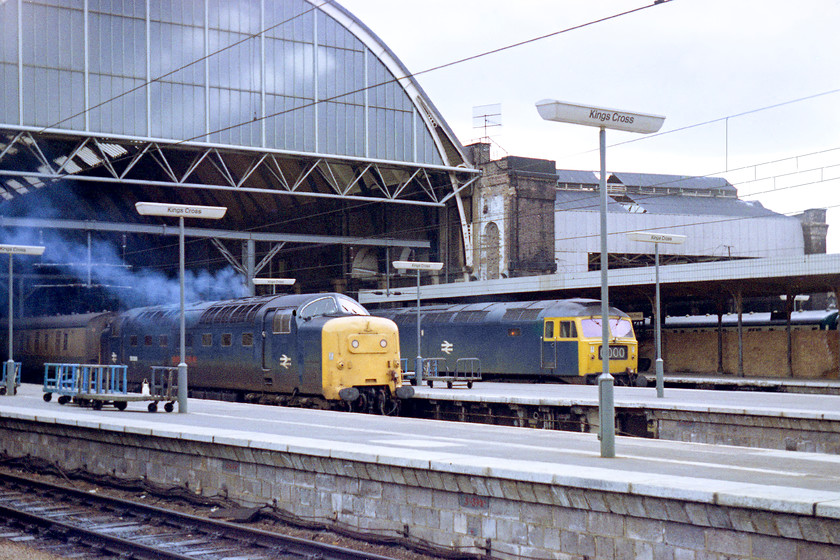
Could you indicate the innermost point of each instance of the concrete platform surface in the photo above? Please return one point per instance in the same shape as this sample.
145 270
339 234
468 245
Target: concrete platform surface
790 482
793 405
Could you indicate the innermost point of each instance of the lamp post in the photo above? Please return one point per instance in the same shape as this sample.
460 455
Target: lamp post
181 211
656 239
418 266
274 282
12 250
602 118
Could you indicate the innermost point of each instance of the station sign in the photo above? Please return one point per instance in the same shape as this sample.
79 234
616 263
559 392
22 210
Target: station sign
417 265
587 115
22 249
653 237
274 281
180 210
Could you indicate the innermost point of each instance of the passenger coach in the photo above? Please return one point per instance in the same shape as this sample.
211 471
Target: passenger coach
555 339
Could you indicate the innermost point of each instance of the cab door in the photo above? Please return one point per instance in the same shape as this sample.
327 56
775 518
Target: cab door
548 355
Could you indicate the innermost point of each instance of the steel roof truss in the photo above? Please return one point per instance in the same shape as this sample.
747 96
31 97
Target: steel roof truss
106 159
33 146
160 157
193 165
382 185
69 159
253 167
267 258
405 183
277 172
305 174
222 168
330 178
137 157
228 256
8 148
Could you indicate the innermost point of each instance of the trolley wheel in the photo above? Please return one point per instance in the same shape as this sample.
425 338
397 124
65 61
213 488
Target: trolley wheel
430 383
121 405
469 384
3 390
169 407
152 407
97 405
448 384
47 397
63 399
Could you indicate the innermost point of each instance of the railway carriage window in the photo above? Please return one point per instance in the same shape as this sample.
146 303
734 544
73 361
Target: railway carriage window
148 340
46 342
227 339
132 340
207 339
163 341
282 323
66 341
57 342
247 339
568 329
37 343
549 329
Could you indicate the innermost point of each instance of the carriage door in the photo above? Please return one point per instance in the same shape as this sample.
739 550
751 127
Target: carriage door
549 344
268 320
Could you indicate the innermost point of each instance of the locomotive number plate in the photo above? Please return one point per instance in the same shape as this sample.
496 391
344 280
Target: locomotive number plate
616 352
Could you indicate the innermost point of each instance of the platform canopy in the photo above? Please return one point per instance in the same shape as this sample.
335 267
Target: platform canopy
291 113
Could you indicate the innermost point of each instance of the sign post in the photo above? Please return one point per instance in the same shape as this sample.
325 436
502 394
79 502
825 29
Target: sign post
656 239
12 250
181 211
602 118
418 266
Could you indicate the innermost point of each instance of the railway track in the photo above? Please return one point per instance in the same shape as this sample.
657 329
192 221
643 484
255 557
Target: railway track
70 522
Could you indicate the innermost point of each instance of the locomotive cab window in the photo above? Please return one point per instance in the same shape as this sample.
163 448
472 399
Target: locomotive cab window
148 340
318 307
132 340
548 331
227 339
568 329
207 339
247 339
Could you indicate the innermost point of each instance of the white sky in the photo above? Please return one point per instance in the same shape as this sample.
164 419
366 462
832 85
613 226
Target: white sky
692 61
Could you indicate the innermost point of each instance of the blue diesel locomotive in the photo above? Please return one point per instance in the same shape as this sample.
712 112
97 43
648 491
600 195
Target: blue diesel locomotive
555 339
320 350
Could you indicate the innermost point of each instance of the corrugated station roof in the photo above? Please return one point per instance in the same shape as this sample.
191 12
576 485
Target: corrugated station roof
584 201
588 201
654 180
572 177
700 206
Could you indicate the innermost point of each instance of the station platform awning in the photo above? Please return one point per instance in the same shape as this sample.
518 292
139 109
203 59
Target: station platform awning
747 277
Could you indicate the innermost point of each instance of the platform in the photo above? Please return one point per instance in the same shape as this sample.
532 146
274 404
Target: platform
785 421
510 490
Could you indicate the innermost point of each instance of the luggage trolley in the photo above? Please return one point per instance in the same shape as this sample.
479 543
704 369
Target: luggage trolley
96 385
467 371
3 378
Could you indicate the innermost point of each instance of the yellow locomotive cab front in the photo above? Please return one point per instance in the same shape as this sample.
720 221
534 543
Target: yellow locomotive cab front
361 361
623 347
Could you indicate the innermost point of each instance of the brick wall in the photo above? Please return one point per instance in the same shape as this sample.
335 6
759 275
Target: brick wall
532 518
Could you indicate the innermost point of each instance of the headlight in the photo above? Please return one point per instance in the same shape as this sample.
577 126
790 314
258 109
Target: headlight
354 343
383 343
